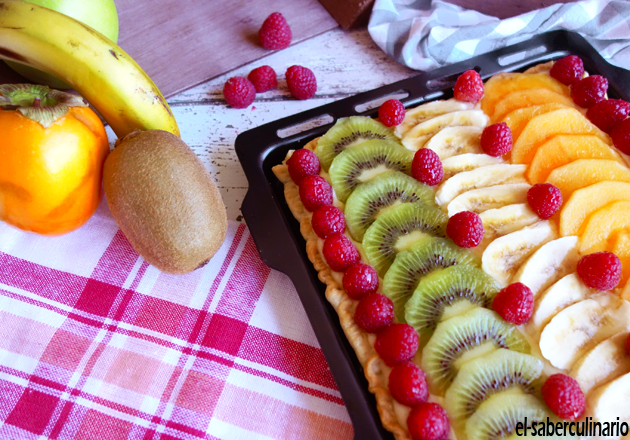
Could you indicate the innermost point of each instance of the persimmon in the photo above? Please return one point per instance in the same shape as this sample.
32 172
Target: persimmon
52 150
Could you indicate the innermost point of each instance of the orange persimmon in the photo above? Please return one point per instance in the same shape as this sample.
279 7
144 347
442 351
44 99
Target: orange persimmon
52 150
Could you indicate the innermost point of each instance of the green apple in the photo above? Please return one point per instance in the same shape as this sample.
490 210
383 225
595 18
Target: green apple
98 14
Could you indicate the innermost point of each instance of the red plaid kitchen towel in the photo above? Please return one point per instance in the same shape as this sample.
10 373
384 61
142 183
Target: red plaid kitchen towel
97 344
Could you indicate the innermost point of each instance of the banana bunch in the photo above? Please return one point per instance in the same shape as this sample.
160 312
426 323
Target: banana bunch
91 63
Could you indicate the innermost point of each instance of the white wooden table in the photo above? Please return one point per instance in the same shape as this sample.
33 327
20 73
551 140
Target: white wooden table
344 63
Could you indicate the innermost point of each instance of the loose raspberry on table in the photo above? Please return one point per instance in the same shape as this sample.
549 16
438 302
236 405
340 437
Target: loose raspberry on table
621 136
544 199
302 163
301 81
563 396
589 91
374 313
601 270
360 280
263 78
514 303
608 113
315 192
568 70
275 32
427 167
465 229
396 344
408 384
428 421
391 113
468 87
239 92
340 253
327 221
496 139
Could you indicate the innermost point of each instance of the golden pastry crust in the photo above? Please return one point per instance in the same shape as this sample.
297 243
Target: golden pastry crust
540 68
373 366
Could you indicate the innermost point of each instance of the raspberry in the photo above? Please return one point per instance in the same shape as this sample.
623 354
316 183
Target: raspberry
263 78
515 303
396 344
496 139
408 385
621 136
468 87
239 92
340 253
589 91
545 199
303 163
301 81
427 167
465 229
275 32
601 270
563 396
391 112
315 192
607 113
628 345
360 280
428 421
374 313
327 221
568 70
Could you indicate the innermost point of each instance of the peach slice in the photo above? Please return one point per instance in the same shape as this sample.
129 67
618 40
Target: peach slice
585 172
586 201
497 87
563 149
620 246
528 98
608 220
518 119
543 127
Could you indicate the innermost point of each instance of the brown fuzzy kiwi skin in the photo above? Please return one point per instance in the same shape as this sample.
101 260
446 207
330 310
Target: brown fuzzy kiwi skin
164 200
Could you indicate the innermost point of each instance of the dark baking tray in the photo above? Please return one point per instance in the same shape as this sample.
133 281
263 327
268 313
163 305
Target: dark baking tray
277 234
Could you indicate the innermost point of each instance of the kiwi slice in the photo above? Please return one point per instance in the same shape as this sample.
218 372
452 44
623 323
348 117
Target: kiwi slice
424 257
499 371
447 293
497 417
463 338
354 166
348 132
369 199
397 229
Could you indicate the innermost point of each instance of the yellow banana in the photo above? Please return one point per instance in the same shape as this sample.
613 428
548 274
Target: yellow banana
91 63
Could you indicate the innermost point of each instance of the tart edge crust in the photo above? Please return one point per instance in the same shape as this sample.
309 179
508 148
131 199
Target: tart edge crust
344 306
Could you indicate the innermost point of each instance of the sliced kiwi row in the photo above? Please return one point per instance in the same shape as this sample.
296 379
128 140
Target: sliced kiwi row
471 356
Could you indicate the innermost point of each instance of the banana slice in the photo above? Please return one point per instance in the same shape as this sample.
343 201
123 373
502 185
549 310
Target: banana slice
452 141
479 178
611 400
429 110
421 133
579 327
466 162
502 221
482 199
566 291
548 264
605 362
504 255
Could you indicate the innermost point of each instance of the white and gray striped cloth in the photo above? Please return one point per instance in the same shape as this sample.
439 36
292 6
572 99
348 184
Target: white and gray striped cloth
424 39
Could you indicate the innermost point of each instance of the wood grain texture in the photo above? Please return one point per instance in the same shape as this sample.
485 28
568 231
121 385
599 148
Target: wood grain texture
181 44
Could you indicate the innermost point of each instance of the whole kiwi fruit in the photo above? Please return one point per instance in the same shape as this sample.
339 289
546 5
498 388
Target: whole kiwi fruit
164 200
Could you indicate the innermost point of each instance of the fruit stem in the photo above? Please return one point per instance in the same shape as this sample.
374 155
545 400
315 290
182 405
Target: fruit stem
37 102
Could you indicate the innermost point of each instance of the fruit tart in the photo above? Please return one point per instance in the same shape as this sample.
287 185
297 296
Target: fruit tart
477 252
